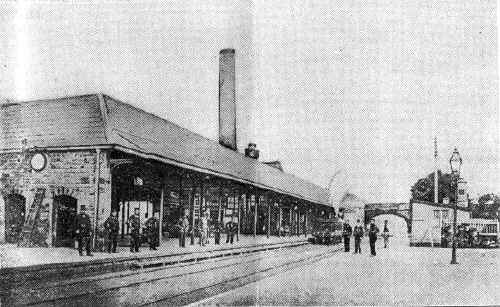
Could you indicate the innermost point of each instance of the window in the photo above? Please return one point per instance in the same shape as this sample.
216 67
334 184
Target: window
461 191
489 228
441 214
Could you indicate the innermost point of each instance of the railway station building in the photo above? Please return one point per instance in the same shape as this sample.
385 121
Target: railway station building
94 150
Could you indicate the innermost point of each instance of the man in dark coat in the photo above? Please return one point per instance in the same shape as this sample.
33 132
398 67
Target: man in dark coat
111 226
230 230
83 229
153 231
346 233
217 231
183 227
134 223
372 235
358 234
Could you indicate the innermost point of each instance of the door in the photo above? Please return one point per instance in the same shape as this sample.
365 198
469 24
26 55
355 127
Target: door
15 208
65 214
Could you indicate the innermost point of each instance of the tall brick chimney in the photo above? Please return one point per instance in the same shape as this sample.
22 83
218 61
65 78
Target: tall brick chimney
227 99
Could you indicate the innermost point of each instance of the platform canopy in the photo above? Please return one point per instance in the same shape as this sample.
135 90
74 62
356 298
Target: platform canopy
96 120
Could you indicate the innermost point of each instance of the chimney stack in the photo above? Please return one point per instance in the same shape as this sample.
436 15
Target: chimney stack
227 99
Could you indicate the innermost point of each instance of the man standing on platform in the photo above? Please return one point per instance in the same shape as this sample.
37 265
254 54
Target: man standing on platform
230 232
204 228
183 226
153 228
346 233
134 223
358 234
386 234
83 231
111 227
217 231
372 235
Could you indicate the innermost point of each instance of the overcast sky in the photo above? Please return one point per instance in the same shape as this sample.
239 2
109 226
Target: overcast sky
357 86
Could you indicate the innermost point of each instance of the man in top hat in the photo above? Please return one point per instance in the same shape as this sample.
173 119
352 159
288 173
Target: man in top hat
111 226
83 229
134 224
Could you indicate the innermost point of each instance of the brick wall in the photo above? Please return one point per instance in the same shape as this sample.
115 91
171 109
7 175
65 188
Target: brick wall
71 173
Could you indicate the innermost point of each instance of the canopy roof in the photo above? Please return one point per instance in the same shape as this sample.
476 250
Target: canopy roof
97 119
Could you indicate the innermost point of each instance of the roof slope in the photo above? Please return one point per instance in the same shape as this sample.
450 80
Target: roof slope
53 122
77 121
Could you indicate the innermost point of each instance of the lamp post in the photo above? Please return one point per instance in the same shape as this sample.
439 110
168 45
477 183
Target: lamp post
455 164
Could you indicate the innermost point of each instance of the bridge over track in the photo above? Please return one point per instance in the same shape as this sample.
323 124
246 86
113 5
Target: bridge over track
402 210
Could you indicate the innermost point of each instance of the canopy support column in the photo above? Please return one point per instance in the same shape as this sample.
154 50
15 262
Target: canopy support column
239 218
305 222
192 196
160 228
279 218
97 176
268 218
296 221
256 206
219 200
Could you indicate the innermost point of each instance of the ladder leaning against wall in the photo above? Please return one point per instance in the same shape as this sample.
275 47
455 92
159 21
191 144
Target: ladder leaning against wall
31 218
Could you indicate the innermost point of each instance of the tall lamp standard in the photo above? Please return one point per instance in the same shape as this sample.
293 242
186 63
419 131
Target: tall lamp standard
455 164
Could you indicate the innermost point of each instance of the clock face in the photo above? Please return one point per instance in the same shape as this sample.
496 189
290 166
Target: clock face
38 162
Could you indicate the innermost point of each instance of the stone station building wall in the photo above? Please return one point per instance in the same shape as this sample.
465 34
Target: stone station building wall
67 172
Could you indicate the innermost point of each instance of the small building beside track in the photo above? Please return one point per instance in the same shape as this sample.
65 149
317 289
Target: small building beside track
432 222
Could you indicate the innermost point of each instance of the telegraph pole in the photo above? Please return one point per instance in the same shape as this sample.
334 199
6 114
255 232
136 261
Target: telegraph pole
436 187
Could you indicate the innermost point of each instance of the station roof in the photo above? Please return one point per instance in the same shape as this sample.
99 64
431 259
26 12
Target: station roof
92 120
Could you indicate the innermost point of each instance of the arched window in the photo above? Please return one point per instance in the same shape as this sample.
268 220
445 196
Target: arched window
15 209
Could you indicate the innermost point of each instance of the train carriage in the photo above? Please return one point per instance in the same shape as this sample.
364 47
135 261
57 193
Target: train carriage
327 231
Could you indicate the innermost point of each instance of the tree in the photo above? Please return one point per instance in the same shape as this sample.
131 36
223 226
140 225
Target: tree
423 189
487 207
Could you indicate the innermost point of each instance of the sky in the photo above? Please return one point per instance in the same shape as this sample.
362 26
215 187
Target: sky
357 89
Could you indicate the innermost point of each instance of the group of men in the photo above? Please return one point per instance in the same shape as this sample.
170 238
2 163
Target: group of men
203 230
83 230
358 233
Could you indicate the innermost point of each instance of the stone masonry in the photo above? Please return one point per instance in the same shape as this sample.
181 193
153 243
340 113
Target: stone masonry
70 172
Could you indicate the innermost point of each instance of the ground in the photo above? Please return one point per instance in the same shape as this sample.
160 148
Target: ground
398 275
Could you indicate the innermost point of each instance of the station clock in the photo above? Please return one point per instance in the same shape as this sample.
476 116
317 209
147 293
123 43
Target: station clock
38 162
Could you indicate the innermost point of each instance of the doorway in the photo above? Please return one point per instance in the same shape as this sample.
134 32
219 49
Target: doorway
15 208
64 216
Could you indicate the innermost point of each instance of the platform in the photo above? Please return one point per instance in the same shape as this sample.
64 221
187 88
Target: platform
21 265
13 256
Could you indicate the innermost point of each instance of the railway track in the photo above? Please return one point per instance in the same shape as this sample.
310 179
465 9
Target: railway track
177 284
211 290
